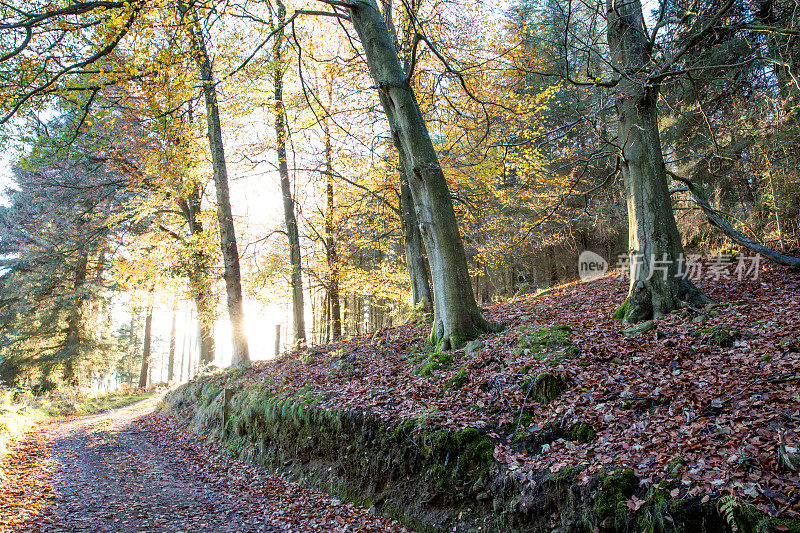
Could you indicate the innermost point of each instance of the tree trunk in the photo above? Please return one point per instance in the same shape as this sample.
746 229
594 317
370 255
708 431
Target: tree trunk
657 286
330 247
194 349
416 263
240 352
186 347
421 297
298 311
148 329
132 343
456 315
198 278
551 254
72 343
172 333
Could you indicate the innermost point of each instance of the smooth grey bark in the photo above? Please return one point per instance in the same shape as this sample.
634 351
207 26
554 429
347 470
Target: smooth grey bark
233 284
416 263
292 233
334 307
657 286
148 329
456 315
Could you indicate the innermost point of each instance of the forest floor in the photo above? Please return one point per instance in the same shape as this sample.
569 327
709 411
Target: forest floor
128 471
704 397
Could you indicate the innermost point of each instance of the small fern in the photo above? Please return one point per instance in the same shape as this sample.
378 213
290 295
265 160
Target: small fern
728 505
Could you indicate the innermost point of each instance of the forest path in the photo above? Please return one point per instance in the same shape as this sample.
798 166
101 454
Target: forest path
128 470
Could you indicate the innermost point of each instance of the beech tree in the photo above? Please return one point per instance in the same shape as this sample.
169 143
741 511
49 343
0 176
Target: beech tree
421 297
641 62
227 233
292 232
657 285
331 256
147 347
457 317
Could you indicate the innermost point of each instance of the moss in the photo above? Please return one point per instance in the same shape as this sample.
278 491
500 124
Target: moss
792 525
623 310
547 339
616 488
679 509
457 340
432 338
436 360
546 335
426 475
748 519
525 417
457 381
581 432
544 387
722 336
673 466
638 329
568 474
453 458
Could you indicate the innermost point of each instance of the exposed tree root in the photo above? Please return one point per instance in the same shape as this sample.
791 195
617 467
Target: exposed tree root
460 331
647 300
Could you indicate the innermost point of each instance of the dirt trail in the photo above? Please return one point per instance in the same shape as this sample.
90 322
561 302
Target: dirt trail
129 471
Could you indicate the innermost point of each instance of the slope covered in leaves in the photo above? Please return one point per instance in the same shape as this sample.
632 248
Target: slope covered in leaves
671 400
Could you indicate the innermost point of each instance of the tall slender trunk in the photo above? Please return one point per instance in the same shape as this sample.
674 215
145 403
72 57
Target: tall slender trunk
334 310
657 285
345 315
148 329
186 347
298 311
227 234
416 263
172 333
456 315
198 278
132 342
72 342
